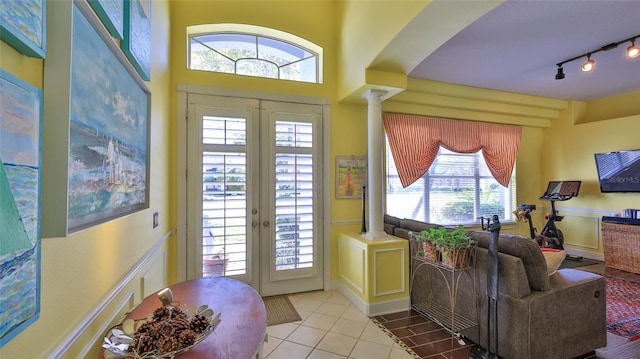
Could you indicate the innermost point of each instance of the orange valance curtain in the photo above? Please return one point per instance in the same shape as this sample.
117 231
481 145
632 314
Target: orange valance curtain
415 140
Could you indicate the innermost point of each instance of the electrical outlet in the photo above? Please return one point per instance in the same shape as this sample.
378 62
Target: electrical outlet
155 219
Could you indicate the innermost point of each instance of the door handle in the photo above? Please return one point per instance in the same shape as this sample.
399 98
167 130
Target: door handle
266 223
254 224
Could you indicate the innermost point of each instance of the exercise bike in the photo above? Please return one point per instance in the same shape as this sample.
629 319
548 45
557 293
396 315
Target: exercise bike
550 236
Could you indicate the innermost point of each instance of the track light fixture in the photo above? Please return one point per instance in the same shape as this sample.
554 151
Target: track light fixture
588 66
633 51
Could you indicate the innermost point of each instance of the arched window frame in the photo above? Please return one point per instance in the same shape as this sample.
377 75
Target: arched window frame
258 32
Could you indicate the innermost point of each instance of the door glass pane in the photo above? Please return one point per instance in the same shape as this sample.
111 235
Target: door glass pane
224 209
224 131
294 134
293 211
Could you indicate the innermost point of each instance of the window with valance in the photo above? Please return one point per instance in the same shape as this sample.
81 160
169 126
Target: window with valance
450 171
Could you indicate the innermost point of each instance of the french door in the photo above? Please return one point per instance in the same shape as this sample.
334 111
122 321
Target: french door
254 192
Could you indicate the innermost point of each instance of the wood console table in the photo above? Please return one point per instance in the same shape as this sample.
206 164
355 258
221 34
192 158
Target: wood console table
243 325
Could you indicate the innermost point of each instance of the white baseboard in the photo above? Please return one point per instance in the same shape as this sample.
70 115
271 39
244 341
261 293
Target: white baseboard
371 309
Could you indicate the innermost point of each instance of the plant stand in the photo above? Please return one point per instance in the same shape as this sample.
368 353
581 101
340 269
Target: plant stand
445 317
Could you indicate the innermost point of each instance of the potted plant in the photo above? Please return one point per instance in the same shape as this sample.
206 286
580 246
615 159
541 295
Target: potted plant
427 240
455 248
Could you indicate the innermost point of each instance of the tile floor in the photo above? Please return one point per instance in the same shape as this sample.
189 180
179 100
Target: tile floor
331 328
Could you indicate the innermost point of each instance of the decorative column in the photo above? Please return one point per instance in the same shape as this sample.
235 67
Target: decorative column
375 164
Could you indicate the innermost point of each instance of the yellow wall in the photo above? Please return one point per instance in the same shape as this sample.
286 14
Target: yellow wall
78 271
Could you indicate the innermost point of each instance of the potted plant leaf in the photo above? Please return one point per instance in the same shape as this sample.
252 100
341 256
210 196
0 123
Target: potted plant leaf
455 248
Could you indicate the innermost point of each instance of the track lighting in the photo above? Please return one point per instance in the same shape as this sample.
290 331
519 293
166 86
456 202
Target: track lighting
588 66
633 51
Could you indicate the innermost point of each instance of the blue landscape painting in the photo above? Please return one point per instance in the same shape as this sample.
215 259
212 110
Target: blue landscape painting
20 126
107 175
22 25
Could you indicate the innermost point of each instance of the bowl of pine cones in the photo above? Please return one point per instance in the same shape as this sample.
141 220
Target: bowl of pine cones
166 332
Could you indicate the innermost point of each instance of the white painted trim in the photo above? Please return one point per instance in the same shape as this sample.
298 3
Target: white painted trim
326 196
391 306
347 222
375 272
352 296
88 320
181 180
360 287
100 334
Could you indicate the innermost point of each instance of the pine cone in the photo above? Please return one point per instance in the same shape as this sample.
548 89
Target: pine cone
179 324
186 338
168 344
178 313
163 329
144 343
162 313
199 323
146 327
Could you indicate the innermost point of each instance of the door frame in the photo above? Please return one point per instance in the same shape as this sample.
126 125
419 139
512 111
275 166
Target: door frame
181 166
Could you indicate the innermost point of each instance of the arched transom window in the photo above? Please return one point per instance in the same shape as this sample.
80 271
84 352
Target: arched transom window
253 51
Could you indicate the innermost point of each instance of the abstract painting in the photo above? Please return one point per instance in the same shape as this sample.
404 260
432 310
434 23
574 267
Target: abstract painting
136 44
20 164
108 132
111 13
23 25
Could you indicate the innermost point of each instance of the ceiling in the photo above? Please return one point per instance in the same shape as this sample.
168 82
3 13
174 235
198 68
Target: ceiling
515 47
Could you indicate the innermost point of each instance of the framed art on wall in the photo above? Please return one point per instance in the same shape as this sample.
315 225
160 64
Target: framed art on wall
351 175
23 26
20 179
97 143
111 13
136 44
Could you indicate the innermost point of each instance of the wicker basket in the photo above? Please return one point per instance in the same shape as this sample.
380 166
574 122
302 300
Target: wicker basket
621 246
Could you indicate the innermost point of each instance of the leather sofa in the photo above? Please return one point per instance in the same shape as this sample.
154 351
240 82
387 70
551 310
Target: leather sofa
558 316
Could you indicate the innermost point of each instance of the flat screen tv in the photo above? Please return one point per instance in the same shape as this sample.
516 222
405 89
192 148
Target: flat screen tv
619 171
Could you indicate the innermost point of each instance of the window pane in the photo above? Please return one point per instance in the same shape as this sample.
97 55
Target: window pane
279 52
204 58
252 67
457 189
253 55
233 46
304 70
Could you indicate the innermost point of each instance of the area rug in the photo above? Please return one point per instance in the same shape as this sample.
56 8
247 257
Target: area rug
280 310
623 307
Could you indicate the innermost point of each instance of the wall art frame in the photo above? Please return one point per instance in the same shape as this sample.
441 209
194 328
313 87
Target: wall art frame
351 175
96 159
20 189
136 44
23 26
111 13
